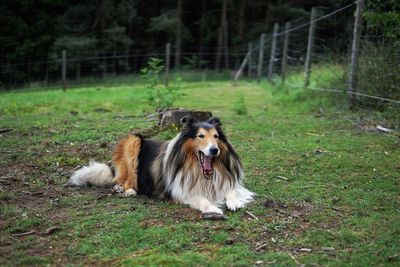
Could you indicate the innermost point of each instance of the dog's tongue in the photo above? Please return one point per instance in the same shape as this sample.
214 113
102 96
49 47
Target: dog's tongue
207 165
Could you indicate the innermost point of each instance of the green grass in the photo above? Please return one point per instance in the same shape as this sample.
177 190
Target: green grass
338 203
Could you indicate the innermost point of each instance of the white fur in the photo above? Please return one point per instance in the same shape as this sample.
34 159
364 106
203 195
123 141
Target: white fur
238 197
207 150
95 174
169 175
205 195
130 192
203 205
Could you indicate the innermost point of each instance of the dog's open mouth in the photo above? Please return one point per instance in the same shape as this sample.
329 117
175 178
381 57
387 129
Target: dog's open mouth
206 165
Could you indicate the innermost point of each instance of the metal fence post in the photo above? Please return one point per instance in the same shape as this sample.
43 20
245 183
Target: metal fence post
285 51
355 51
273 50
310 46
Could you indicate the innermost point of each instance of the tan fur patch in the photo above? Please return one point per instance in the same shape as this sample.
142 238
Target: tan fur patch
191 147
126 161
210 136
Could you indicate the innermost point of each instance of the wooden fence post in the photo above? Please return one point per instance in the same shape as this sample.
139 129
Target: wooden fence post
285 51
355 51
273 50
64 69
260 57
250 47
239 72
310 46
167 60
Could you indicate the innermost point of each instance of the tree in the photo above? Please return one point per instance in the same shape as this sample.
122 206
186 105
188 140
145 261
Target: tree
222 37
178 36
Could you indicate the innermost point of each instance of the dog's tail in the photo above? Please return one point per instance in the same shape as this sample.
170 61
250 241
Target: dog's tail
95 173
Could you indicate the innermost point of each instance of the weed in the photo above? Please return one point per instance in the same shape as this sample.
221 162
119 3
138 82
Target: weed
160 96
239 105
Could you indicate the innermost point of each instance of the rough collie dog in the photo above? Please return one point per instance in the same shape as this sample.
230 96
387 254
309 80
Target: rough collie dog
198 167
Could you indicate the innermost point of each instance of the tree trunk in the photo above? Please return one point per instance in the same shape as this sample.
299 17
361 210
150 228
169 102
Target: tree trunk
178 37
114 62
101 28
78 70
242 9
202 22
46 75
129 33
222 38
226 44
219 49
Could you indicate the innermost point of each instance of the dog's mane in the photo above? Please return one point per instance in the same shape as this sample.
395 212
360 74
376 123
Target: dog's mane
180 164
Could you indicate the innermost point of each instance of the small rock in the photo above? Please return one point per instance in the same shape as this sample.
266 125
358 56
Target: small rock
213 216
51 230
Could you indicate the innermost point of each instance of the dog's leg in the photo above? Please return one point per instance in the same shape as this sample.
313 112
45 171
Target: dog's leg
126 161
203 204
238 197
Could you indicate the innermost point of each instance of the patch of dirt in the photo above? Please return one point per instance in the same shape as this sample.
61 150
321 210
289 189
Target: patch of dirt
281 220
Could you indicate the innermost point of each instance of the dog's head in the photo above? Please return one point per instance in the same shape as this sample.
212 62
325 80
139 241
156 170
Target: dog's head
203 139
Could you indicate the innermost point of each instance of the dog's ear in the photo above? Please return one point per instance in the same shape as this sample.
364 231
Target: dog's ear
215 121
187 121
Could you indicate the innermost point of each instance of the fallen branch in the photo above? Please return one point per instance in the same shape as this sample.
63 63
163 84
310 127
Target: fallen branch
5 130
383 129
261 247
252 215
327 248
282 178
24 234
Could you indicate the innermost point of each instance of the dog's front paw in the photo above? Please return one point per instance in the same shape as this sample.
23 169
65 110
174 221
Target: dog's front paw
129 193
118 189
234 204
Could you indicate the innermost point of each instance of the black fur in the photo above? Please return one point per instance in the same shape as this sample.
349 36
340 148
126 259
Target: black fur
231 152
150 150
148 153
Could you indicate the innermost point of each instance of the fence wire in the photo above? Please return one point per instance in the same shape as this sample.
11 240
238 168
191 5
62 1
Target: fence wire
377 57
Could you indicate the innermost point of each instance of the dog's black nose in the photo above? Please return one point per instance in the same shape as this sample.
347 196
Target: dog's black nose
214 151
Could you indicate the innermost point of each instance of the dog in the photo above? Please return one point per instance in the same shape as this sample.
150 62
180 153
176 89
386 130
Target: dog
198 167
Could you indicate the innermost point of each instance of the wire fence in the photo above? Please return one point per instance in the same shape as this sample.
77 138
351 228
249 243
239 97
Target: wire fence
112 67
300 45
365 57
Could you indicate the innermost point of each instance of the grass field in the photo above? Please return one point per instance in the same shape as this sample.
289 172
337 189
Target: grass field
328 185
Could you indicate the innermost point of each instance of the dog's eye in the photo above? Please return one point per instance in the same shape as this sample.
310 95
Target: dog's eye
216 136
201 136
